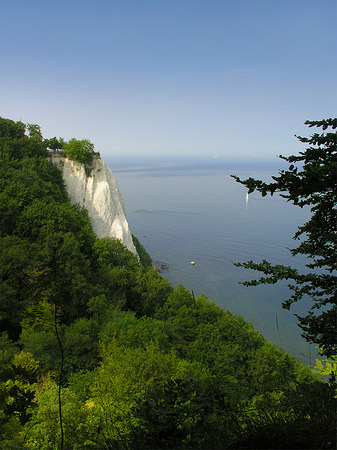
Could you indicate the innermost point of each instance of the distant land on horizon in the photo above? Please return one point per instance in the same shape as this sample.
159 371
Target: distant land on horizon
120 163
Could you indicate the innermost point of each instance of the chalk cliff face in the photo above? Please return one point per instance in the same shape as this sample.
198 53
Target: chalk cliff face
99 194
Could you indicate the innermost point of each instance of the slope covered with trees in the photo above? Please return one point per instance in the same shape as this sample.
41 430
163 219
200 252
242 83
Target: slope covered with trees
98 351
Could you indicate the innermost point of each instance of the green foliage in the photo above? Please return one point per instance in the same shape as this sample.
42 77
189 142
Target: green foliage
79 342
274 419
14 144
34 131
17 256
54 143
99 339
171 415
43 430
328 368
126 383
309 181
11 129
18 374
79 150
144 257
19 389
111 252
150 292
124 327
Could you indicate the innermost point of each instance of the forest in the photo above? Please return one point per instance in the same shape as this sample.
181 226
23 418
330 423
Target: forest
99 351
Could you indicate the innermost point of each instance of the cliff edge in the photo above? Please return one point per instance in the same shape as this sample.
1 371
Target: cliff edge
97 192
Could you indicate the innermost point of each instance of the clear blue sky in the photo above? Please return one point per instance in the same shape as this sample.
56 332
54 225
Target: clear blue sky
171 77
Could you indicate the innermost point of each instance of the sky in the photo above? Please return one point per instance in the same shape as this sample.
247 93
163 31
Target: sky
171 77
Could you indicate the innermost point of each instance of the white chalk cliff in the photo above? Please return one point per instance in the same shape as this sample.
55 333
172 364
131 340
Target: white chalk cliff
99 194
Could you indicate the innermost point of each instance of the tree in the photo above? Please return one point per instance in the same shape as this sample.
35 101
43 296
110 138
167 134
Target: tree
54 143
11 129
311 180
34 131
144 257
15 144
79 150
18 374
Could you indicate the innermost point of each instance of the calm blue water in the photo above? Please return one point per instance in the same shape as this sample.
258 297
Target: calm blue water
184 211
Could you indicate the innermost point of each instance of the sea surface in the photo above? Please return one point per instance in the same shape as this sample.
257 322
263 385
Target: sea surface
192 210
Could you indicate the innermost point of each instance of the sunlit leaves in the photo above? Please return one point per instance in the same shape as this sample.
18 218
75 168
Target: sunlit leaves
79 150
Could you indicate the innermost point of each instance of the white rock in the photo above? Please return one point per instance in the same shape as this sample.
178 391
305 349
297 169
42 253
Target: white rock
99 194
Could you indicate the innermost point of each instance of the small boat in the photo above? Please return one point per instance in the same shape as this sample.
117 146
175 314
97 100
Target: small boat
192 263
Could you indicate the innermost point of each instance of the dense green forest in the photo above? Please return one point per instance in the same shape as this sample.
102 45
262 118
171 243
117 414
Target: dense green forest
99 351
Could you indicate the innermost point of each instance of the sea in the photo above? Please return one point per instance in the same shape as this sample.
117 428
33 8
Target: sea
187 210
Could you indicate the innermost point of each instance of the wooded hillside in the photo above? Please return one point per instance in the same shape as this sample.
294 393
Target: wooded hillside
99 351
